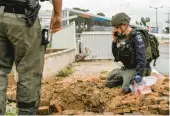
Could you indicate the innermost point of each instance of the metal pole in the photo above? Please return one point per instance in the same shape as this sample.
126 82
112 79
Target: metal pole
168 22
156 8
169 19
156 19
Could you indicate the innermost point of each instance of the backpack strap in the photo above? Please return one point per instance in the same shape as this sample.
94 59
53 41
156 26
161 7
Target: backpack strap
144 33
154 63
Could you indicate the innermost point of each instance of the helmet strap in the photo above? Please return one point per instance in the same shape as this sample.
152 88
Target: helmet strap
123 30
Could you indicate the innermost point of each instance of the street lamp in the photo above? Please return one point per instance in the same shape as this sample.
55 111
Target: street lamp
169 19
156 8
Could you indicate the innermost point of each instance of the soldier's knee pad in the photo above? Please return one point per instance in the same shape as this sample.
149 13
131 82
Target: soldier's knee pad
109 84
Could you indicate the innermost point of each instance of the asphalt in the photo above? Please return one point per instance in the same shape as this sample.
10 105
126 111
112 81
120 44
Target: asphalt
162 63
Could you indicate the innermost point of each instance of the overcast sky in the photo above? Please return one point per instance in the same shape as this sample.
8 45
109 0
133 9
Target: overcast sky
137 8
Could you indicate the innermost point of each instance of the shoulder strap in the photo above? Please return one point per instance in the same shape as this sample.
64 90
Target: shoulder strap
145 34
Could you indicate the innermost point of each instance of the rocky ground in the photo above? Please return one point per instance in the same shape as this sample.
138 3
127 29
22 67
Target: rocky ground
84 93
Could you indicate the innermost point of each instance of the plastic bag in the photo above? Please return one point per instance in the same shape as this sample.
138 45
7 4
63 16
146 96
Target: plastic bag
141 88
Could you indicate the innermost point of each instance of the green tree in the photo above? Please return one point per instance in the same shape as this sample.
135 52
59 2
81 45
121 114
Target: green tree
84 10
101 14
140 23
166 29
137 22
147 19
143 21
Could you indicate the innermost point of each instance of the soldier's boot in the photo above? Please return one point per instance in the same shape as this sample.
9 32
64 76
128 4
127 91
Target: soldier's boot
28 108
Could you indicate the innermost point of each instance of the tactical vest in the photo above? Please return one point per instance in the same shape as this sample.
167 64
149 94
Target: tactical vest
13 0
22 1
18 0
126 54
126 51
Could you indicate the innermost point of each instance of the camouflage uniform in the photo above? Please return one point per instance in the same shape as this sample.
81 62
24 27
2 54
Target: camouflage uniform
21 45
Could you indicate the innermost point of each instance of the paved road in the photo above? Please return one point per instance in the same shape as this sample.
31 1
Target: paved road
162 63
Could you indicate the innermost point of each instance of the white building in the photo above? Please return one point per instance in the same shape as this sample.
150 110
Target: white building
45 18
67 14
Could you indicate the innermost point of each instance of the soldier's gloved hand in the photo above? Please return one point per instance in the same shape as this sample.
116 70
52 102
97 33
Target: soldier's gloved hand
138 79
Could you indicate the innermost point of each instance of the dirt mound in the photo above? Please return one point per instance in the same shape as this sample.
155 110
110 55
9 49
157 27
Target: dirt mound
90 96
81 95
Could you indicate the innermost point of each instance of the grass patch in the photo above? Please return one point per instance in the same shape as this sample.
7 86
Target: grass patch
66 71
104 72
11 110
11 113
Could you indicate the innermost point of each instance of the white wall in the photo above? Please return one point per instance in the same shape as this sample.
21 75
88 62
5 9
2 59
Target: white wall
65 38
163 37
56 61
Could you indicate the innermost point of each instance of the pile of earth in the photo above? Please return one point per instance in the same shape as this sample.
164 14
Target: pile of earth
90 96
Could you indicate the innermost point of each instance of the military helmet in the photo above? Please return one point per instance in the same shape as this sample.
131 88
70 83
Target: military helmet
120 18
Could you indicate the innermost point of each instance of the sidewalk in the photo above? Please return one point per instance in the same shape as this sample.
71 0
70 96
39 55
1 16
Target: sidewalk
91 69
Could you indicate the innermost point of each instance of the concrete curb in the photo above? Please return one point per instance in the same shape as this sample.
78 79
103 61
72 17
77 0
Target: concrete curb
164 42
156 74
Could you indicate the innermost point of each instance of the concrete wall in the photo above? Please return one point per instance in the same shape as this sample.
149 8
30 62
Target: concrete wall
163 37
54 62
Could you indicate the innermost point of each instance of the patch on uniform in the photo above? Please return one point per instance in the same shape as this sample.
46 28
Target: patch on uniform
118 45
122 42
139 38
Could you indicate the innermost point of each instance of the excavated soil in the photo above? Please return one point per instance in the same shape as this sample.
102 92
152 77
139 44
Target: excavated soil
89 96
80 95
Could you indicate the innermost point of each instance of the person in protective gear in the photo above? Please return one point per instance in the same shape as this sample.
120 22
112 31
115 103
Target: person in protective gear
22 44
128 49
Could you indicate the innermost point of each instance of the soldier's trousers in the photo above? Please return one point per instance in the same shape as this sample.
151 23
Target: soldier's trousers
119 77
21 45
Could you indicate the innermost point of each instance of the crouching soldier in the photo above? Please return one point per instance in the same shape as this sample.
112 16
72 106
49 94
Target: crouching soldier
128 49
